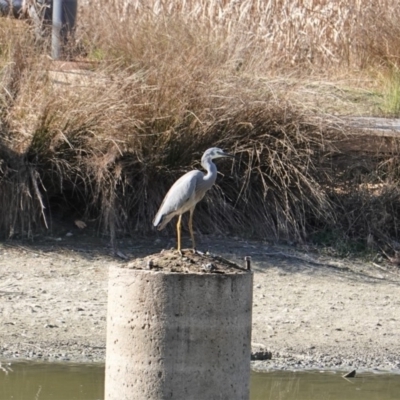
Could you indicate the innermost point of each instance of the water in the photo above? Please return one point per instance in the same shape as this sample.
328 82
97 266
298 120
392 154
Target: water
323 386
57 381
52 381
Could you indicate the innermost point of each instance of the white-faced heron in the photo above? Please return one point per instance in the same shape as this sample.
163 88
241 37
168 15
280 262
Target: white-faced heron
186 192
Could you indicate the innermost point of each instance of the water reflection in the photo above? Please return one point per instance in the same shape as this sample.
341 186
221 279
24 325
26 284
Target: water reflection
57 381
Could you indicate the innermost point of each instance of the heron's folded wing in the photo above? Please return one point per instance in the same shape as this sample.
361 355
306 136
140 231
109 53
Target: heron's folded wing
179 197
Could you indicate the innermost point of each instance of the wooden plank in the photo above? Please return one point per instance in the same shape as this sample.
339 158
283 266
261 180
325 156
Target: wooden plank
371 135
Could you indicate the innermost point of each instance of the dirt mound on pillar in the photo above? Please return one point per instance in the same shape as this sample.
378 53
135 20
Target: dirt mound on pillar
188 262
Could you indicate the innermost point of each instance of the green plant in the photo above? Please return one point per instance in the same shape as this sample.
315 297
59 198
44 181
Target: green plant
392 92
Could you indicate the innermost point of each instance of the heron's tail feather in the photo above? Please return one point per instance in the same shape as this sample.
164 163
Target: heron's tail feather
160 220
156 221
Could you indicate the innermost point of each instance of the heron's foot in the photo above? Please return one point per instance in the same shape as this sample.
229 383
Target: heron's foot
180 252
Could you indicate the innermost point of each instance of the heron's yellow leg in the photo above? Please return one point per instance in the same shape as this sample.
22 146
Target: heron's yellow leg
191 228
178 232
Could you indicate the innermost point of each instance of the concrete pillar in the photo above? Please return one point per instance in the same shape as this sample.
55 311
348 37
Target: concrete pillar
179 336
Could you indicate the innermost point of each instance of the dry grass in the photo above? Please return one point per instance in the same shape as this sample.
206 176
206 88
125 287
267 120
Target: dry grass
283 33
168 81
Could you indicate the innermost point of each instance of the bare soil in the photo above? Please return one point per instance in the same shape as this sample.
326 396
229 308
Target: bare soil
309 310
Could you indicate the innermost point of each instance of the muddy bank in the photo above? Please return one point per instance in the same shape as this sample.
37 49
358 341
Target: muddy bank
309 311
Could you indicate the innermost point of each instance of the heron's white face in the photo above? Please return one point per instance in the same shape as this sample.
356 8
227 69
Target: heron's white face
216 152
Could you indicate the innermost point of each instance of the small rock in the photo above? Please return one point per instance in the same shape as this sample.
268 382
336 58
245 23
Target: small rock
350 374
208 267
261 355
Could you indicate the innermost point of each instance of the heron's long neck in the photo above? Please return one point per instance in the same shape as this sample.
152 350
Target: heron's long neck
211 169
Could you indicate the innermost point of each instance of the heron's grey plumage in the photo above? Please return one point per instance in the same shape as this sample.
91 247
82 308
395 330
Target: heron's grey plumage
187 191
179 199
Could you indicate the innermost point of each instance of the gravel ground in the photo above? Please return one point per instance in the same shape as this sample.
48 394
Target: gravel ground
309 311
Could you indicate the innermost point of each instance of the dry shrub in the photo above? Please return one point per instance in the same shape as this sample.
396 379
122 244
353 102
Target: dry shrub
170 80
110 147
20 194
365 213
283 33
364 191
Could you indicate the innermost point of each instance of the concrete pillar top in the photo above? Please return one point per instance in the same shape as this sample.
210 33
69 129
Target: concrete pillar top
170 261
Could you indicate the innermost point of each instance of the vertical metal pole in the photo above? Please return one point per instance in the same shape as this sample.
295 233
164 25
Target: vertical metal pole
56 29
63 25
